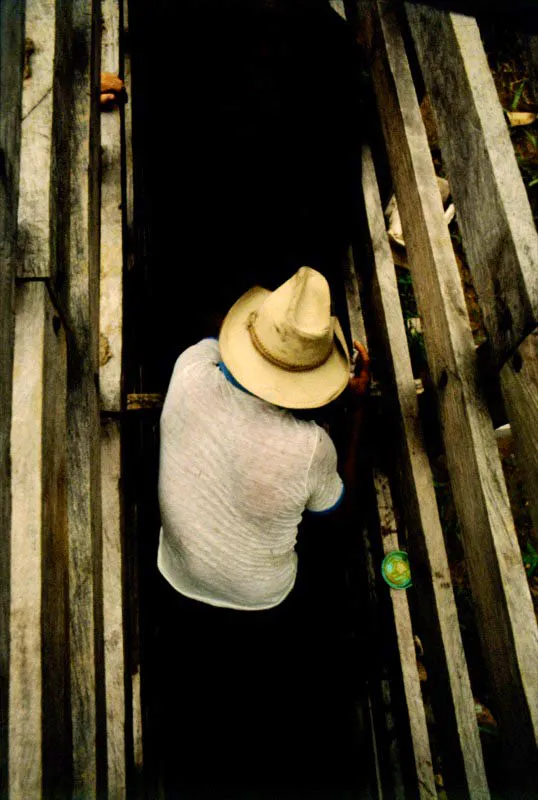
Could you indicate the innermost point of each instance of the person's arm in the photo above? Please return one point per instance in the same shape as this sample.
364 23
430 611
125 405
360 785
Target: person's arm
334 465
349 426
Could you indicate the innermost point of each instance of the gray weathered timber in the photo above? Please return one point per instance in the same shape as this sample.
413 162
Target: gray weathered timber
426 541
519 385
110 388
113 603
33 235
494 215
11 71
76 247
504 611
417 719
137 755
111 296
38 729
406 647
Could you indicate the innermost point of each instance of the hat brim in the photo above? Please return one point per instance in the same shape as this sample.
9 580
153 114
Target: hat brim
305 389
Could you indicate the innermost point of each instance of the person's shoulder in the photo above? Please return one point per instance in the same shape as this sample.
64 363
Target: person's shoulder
204 352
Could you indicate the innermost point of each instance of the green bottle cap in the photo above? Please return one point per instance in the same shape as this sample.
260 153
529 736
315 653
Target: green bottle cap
396 570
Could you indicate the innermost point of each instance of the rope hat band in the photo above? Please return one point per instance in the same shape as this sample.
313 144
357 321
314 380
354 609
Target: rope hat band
280 362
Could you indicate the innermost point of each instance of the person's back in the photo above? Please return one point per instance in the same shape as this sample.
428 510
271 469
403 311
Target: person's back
237 470
236 475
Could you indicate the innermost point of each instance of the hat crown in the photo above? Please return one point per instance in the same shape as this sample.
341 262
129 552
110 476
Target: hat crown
293 327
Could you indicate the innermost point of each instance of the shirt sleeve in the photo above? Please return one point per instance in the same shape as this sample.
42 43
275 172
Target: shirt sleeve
324 485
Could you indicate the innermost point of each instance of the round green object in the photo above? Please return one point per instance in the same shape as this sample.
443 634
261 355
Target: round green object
396 570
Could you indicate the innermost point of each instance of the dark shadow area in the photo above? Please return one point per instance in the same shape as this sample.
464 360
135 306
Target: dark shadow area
247 125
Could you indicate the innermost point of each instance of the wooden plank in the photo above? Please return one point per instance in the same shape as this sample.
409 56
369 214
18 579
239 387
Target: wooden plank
111 294
33 236
11 71
38 728
136 757
402 619
114 637
461 738
519 385
504 611
494 215
76 247
406 646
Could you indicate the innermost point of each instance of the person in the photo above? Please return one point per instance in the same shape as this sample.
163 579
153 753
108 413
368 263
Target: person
239 466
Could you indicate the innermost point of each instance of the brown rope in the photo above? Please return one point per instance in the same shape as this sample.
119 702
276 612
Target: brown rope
278 362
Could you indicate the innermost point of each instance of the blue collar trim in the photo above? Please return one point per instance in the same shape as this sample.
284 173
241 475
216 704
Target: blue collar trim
229 377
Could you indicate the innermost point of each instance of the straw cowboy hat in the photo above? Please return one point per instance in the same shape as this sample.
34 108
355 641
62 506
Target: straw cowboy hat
284 346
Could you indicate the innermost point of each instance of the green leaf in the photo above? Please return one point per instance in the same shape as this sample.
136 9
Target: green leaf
517 96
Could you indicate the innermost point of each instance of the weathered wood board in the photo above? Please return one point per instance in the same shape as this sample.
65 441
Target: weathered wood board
11 72
402 620
519 384
426 537
494 215
505 616
113 603
406 647
110 391
77 245
38 727
111 288
33 235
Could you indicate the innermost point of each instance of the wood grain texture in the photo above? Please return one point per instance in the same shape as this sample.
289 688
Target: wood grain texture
111 290
494 215
37 721
136 757
425 783
76 247
504 611
33 236
454 696
519 385
113 602
11 71
406 647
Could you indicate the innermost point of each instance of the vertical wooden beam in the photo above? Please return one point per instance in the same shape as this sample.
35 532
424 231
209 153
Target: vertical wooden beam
11 72
33 236
455 703
494 215
38 725
519 384
111 294
406 647
420 745
114 633
505 616
110 389
136 758
76 246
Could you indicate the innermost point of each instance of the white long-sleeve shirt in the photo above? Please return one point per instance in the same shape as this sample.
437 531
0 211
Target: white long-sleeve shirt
236 474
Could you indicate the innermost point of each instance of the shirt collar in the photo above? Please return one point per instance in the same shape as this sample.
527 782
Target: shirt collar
229 377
